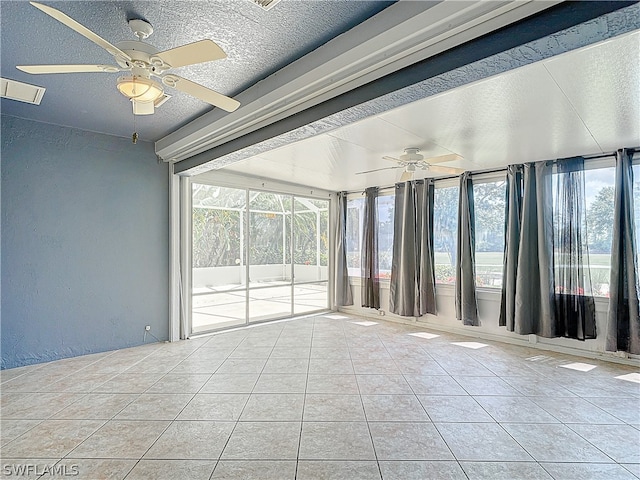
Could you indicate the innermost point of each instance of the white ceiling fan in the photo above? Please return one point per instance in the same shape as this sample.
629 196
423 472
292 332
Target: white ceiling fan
143 61
411 160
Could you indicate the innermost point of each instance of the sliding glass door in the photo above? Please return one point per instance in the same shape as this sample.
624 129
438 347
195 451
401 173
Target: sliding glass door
218 276
310 255
256 256
269 256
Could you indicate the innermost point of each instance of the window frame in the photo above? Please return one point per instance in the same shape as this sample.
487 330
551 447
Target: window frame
595 164
383 192
446 183
492 177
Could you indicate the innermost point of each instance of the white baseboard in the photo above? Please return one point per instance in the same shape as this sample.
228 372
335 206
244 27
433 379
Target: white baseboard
632 360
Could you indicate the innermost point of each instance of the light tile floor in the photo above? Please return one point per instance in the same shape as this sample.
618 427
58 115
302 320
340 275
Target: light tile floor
321 398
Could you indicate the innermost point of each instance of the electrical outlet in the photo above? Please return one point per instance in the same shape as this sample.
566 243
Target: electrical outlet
147 328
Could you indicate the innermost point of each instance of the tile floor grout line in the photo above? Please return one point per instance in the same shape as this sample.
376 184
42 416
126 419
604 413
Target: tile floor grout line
547 382
304 401
366 419
237 421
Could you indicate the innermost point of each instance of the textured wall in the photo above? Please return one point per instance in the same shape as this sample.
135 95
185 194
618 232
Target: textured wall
84 242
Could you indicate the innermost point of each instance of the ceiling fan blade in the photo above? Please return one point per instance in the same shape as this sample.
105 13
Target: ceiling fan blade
406 176
443 169
196 52
444 158
378 170
200 91
81 29
143 108
41 69
391 159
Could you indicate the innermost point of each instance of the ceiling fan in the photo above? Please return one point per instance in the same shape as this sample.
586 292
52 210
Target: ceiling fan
411 160
142 61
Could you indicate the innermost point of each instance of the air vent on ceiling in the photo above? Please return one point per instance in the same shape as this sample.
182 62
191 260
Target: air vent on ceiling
265 4
23 92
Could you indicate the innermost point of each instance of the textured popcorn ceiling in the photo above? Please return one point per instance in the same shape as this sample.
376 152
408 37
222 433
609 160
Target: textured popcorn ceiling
257 43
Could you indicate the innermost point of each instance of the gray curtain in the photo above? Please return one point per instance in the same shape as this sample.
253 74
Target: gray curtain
513 219
342 286
466 303
369 272
623 326
412 286
534 310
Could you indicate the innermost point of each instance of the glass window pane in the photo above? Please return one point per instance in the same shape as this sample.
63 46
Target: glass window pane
310 240
310 297
386 207
324 236
212 196
305 237
269 303
269 230
268 238
445 231
218 273
216 229
489 204
599 195
355 210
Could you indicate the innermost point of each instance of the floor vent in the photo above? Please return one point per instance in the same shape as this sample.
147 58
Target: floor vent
23 92
265 4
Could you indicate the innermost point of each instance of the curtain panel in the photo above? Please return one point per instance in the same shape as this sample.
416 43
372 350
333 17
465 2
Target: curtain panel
513 222
412 286
533 301
623 326
370 293
574 303
343 294
546 284
465 294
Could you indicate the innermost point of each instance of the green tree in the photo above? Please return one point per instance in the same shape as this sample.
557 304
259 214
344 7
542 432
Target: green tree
600 221
216 239
445 221
489 205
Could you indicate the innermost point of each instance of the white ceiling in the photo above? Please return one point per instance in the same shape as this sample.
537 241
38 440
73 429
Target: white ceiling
582 102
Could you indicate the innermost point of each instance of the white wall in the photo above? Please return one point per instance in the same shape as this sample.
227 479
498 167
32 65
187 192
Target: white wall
489 313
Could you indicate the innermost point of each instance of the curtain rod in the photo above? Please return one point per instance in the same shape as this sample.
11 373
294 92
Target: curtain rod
636 150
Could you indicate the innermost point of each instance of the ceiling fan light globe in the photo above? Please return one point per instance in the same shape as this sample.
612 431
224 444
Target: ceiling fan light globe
140 89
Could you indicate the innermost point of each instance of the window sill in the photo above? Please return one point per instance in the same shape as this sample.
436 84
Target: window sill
448 290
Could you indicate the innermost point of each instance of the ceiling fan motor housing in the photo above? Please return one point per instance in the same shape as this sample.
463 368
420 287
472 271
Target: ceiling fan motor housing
411 155
141 53
140 28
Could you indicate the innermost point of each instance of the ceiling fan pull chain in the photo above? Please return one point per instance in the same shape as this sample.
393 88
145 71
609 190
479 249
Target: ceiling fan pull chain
134 137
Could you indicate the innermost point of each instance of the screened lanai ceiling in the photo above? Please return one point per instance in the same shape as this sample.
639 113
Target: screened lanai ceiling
586 101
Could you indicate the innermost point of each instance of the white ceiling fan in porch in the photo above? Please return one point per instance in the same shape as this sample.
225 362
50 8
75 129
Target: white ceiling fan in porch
411 160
